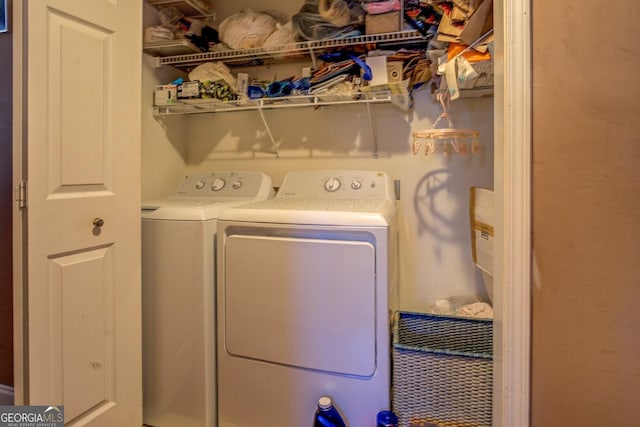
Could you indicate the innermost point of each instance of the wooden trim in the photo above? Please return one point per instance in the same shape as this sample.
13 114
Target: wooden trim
19 293
6 395
513 192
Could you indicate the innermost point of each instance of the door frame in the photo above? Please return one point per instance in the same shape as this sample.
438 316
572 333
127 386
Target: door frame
512 183
20 355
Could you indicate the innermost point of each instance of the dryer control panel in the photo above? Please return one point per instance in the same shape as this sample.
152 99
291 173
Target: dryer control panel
337 184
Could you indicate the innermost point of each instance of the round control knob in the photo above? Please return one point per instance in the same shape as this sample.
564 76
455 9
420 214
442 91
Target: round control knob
200 185
356 185
332 184
218 184
236 185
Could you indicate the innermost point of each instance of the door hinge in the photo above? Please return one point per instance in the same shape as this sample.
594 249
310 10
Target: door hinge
21 194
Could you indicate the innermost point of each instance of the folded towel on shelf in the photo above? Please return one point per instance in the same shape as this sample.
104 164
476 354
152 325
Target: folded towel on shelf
158 33
465 306
479 310
384 6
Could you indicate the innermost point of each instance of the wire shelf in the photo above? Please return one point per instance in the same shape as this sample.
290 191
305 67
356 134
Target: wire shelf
194 106
291 50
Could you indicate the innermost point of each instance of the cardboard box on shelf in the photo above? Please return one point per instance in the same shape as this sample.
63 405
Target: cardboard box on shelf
165 94
189 89
380 23
482 234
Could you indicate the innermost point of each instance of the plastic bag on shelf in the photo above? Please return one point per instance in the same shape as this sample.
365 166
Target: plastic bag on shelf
247 29
328 19
195 30
282 36
213 71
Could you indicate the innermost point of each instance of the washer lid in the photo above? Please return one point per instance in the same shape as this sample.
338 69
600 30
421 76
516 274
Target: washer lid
186 210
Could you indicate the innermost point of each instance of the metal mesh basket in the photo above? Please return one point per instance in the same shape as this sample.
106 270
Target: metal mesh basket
442 370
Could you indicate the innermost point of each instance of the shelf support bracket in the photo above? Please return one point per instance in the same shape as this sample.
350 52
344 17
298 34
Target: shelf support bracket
373 131
268 129
314 63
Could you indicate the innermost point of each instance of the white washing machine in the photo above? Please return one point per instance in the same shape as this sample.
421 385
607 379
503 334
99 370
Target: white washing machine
178 288
306 287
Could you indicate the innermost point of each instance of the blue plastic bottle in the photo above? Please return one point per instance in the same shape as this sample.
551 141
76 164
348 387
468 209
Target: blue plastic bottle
327 415
387 419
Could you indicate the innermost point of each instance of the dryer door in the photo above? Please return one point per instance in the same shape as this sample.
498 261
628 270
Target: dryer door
302 302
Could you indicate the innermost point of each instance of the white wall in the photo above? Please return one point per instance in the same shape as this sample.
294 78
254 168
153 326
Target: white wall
435 252
163 144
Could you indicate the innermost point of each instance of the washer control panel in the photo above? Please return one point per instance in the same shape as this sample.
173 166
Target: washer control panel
338 184
222 185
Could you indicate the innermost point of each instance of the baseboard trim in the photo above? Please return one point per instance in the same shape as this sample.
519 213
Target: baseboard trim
6 395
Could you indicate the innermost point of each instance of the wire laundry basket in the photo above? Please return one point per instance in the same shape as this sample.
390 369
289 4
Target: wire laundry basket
442 371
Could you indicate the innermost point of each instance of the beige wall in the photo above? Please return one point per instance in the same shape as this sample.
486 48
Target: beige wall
6 300
586 214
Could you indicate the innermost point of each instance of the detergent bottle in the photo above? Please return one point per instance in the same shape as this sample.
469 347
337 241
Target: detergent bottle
327 415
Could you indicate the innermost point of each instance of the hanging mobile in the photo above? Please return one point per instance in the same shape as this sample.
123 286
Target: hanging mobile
449 138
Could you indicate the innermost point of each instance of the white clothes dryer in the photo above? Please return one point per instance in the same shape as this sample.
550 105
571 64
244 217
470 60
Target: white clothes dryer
178 288
306 288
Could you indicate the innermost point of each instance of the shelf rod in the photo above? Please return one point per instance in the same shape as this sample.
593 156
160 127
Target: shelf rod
314 61
266 126
373 131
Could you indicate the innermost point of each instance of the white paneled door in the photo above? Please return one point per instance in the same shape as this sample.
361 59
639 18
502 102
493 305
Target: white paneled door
80 75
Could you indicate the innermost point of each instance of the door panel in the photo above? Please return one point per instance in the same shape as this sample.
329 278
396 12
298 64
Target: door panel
86 357
81 77
319 313
81 55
